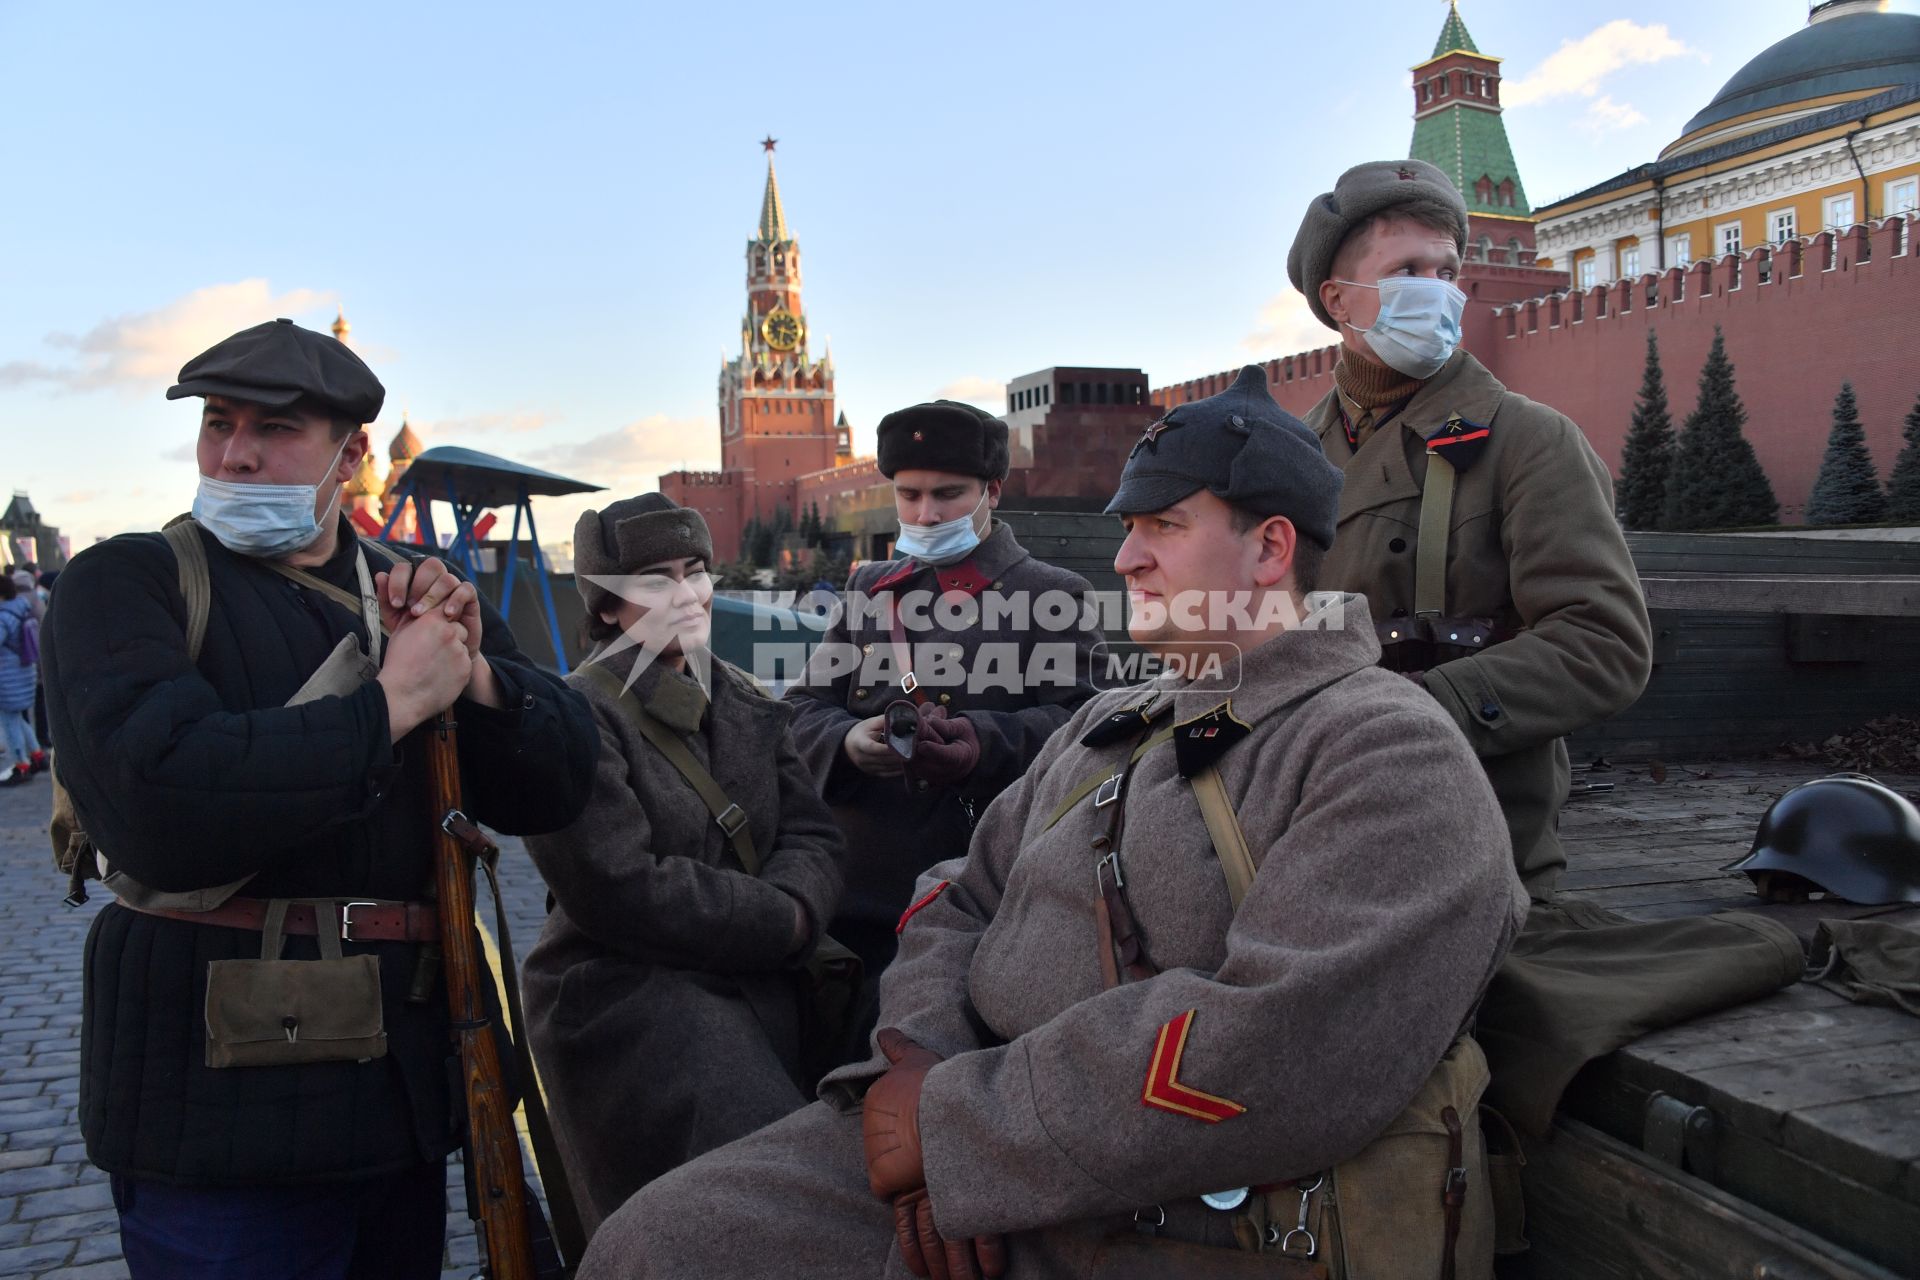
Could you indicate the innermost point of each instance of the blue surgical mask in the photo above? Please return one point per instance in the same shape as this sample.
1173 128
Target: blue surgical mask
1418 328
266 521
942 543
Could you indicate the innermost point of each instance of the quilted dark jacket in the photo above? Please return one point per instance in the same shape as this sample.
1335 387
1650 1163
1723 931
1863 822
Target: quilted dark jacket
191 777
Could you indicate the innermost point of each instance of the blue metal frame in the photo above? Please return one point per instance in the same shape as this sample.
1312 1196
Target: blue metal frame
464 549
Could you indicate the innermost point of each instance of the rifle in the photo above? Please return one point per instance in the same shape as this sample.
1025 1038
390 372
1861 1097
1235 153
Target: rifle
513 1232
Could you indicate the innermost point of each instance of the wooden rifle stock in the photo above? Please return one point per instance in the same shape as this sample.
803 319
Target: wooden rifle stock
494 1169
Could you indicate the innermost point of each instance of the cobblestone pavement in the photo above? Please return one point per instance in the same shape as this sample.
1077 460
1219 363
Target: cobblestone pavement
56 1216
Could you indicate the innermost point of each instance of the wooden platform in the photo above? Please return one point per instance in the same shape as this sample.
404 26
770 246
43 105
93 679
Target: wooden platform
1814 1101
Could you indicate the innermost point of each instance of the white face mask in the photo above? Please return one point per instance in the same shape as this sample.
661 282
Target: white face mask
1418 328
266 521
941 543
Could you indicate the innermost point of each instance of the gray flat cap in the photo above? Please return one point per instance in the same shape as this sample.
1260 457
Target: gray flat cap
1364 190
1241 447
277 363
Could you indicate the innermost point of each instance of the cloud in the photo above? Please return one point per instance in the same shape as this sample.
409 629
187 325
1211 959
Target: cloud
188 452
1287 325
1577 67
513 422
632 457
144 350
1604 115
975 390
79 497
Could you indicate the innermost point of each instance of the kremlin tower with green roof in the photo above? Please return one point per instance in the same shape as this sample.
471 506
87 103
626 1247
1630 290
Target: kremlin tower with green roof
1457 127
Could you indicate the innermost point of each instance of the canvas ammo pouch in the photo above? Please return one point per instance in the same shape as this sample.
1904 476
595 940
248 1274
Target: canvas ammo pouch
1381 1215
272 1012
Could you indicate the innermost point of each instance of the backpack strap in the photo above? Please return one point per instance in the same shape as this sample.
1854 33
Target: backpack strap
728 816
196 587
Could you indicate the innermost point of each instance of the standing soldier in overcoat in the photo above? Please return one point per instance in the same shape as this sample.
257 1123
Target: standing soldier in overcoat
987 646
1194 1004
1478 524
665 994
269 803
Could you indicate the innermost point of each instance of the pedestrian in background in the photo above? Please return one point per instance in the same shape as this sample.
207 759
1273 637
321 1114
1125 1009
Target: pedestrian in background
19 678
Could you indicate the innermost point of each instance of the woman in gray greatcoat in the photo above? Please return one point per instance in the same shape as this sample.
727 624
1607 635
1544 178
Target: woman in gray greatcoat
664 996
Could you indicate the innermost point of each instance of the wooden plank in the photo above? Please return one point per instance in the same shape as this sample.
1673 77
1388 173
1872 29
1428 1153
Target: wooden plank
1871 1136
1599 1210
1880 596
1756 1096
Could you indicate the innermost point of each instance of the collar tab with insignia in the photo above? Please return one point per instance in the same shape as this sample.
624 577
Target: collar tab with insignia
1126 724
1201 741
963 577
1459 441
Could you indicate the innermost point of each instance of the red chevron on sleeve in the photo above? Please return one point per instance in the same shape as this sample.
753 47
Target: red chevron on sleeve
1163 1089
925 899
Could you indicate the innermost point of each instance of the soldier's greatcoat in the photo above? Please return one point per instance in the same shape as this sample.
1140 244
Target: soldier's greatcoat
1535 547
1385 896
895 830
663 993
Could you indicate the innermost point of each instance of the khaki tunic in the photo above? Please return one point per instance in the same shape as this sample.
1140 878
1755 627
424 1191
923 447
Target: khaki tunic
1384 899
1535 547
662 997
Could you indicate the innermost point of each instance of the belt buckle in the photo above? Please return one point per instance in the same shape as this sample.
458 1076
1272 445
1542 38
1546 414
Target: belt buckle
346 919
1109 791
910 683
730 820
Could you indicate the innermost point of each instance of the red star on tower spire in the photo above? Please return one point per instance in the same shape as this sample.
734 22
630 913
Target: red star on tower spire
768 143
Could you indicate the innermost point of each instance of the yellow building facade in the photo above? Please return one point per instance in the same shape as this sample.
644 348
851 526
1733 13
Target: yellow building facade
1821 131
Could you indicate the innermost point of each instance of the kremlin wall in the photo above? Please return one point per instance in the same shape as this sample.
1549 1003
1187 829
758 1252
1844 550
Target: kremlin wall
1783 215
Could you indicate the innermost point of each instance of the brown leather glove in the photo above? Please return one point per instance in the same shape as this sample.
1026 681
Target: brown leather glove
947 748
928 1254
890 1117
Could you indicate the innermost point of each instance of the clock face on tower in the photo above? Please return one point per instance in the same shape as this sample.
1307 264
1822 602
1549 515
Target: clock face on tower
782 329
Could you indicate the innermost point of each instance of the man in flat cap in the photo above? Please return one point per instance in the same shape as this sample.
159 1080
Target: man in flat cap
235 702
1199 988
977 652
1478 524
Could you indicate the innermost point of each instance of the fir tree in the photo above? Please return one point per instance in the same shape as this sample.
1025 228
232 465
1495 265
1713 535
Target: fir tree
1648 455
1716 481
1903 487
1847 491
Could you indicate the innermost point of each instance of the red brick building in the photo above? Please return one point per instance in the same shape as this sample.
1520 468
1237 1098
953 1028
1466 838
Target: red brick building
777 420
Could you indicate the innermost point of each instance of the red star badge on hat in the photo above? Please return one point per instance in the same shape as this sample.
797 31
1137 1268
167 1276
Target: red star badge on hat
1155 429
919 437
1406 174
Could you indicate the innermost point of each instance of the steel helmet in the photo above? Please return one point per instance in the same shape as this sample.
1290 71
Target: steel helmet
1846 834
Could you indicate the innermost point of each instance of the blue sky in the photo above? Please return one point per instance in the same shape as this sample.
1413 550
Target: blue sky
535 218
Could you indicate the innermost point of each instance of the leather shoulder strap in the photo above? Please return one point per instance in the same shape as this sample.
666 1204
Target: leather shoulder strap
196 586
1224 830
728 816
1087 785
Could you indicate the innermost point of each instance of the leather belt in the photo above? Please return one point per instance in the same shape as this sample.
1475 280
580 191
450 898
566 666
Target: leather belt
358 920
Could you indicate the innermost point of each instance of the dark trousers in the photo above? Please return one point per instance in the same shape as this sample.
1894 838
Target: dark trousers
387 1228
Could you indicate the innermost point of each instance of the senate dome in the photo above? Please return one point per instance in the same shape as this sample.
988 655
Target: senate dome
1848 49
